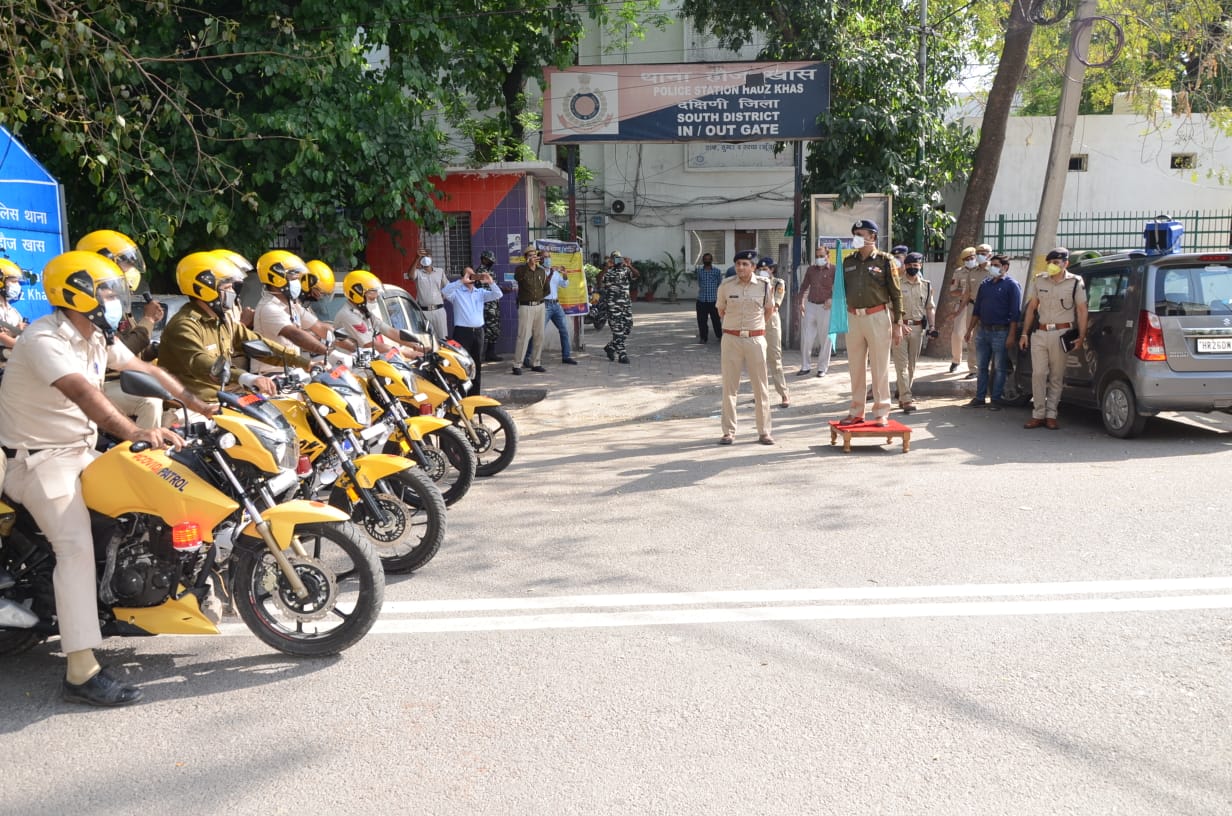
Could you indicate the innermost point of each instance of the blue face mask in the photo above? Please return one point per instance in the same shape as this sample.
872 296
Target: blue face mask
294 289
113 313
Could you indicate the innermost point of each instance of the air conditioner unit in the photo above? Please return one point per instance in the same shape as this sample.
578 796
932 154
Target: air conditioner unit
618 208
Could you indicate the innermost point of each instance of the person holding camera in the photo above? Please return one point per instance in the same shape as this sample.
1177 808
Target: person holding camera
919 318
468 301
616 282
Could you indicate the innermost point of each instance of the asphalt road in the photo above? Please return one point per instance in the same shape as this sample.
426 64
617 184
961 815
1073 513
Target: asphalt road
632 620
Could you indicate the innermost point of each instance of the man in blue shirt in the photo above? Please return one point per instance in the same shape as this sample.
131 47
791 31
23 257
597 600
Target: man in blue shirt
708 279
468 301
995 320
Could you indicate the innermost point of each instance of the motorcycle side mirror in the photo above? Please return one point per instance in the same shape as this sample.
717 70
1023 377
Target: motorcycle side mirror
141 384
220 370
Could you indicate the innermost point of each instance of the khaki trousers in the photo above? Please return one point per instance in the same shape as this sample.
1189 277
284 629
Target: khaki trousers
744 354
869 338
905 356
961 321
148 412
530 331
774 354
48 484
1047 372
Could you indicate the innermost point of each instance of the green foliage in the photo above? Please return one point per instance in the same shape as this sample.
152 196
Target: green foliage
651 275
878 113
673 271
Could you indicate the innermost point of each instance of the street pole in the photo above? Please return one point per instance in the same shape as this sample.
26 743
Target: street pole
919 221
1049 214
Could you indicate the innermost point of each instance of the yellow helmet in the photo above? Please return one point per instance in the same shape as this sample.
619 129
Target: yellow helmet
241 263
319 276
276 268
203 275
357 284
79 281
8 269
120 248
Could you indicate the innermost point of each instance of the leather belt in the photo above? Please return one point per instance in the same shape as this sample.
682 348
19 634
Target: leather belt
870 310
914 322
529 302
818 302
431 308
745 332
1055 326
12 454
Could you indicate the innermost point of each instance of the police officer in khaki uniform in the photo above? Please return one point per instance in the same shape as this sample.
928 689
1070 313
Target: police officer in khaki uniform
874 322
774 330
1059 299
919 312
745 302
964 283
51 405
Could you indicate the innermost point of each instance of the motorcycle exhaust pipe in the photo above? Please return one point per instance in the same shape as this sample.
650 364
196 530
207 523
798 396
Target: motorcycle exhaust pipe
15 616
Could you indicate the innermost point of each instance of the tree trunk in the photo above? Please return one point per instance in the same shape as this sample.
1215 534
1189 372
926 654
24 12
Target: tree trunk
987 160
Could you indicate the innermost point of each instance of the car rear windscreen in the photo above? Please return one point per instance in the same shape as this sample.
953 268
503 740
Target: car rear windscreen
1195 290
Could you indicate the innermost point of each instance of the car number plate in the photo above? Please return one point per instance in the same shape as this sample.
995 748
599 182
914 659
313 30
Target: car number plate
1214 345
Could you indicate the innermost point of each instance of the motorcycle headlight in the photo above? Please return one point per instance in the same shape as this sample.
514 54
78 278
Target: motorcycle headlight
284 450
360 407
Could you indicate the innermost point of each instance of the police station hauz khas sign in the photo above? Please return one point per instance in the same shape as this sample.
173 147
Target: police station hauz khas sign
690 102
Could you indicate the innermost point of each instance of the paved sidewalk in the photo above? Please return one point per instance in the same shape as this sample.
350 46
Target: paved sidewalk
671 376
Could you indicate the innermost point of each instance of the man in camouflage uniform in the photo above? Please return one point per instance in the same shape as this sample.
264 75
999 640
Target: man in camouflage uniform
491 312
615 283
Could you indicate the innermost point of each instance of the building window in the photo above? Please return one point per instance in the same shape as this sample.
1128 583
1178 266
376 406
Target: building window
703 241
1184 161
450 250
1078 163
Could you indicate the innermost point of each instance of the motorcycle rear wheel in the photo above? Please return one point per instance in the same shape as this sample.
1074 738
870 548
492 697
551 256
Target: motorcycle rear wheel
346 585
425 508
498 439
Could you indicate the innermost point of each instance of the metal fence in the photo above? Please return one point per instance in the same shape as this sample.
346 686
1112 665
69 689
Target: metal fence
1205 230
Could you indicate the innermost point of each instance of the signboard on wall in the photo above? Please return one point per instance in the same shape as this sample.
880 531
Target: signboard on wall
708 102
744 156
31 219
564 258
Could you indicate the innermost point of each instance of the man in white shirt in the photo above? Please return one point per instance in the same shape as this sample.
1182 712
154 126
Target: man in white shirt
430 295
280 315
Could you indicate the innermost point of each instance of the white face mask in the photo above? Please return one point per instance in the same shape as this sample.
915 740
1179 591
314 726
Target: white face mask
113 313
294 289
227 298
12 291
996 271
979 259
971 263
425 262
857 242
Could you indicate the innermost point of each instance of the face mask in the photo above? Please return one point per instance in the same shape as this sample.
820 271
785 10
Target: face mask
971 263
857 242
996 271
12 291
294 289
425 262
913 271
227 299
979 259
113 313
1053 269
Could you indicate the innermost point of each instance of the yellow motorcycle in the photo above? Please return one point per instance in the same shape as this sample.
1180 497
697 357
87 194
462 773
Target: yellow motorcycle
394 503
404 429
445 376
302 579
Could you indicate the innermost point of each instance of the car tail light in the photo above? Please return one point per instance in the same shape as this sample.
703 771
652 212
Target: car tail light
1150 344
186 536
1215 257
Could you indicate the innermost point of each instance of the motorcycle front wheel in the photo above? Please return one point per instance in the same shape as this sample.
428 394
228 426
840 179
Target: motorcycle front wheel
498 439
451 461
345 582
414 527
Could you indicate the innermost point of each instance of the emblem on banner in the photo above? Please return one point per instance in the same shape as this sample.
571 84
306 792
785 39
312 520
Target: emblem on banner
587 108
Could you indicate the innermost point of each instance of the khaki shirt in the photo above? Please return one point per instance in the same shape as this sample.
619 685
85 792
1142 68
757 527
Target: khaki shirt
195 338
917 298
1057 300
363 329
744 304
34 414
965 283
271 317
778 287
872 281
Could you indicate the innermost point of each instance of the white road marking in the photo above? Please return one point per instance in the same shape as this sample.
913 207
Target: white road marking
390 624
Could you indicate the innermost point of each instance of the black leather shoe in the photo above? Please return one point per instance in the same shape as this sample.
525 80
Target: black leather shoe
569 361
517 370
611 353
493 358
538 369
953 367
624 358
102 690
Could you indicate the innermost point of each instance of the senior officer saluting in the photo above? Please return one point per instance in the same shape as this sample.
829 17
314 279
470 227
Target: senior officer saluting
745 303
51 406
874 321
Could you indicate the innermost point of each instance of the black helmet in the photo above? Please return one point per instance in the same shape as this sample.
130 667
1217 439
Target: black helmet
487 256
